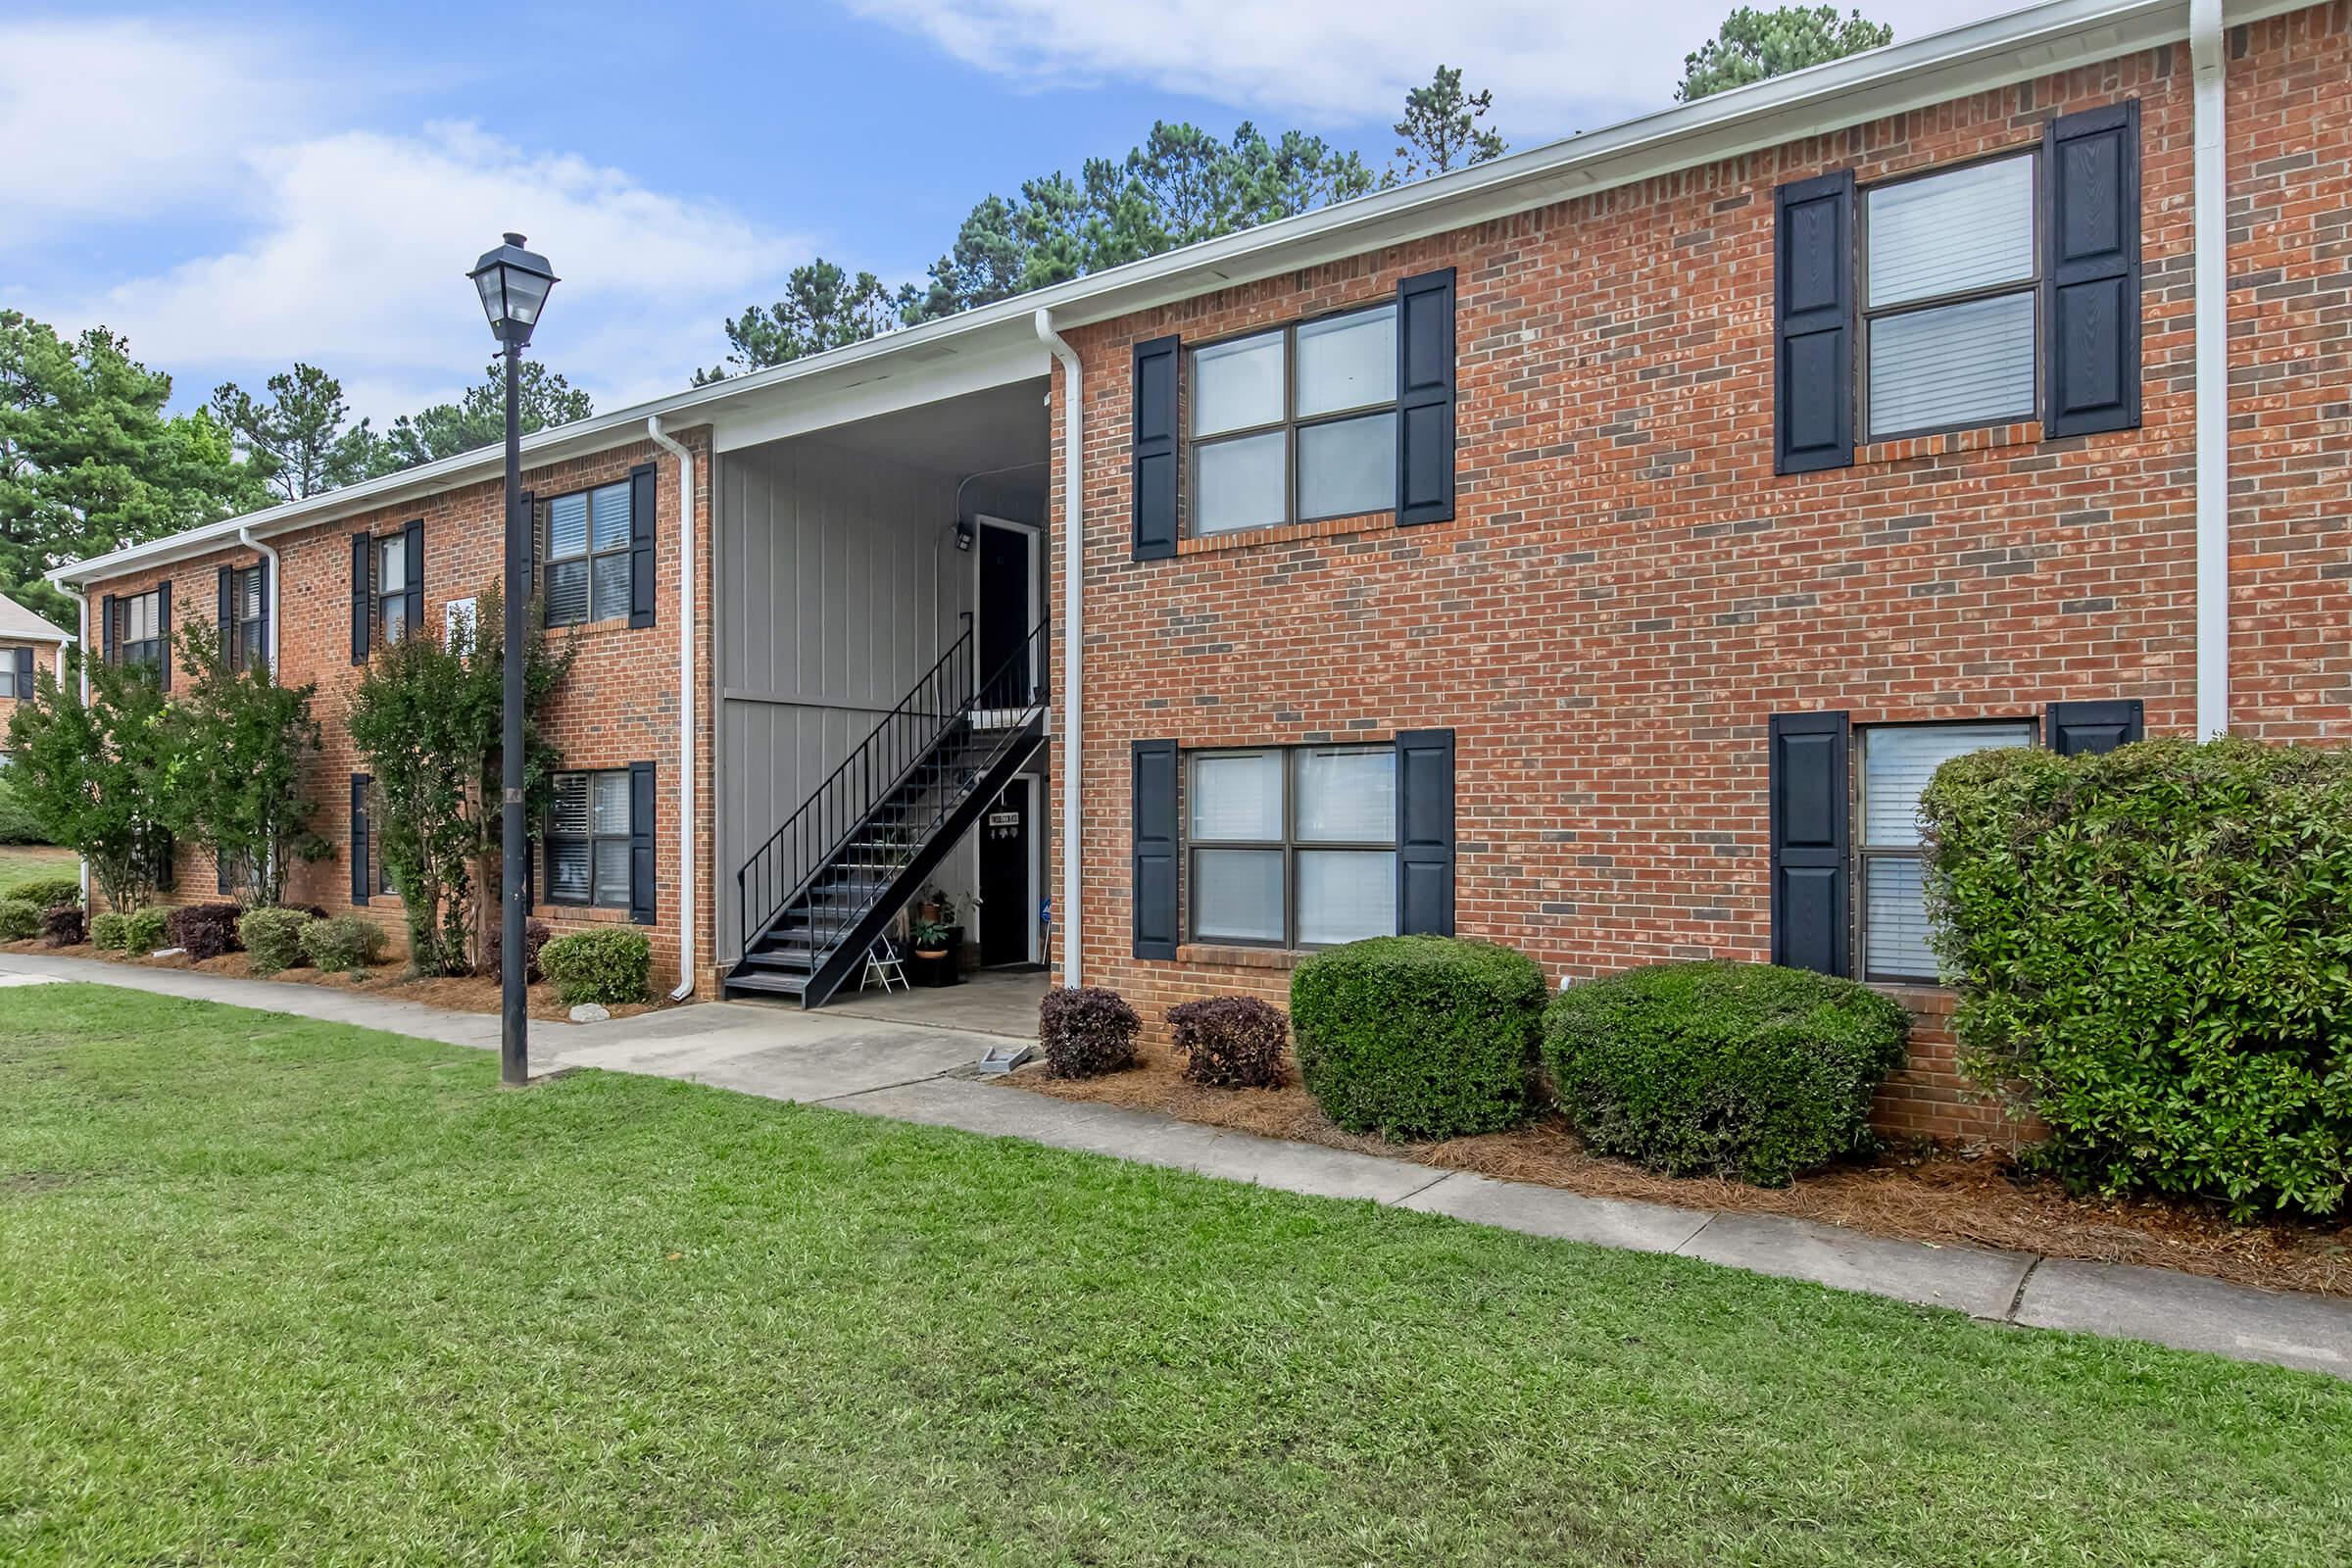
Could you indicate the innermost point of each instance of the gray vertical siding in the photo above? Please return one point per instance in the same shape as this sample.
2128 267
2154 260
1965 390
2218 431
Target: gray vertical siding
839 584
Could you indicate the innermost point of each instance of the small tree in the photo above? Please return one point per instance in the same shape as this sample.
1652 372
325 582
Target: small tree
427 719
1756 44
99 776
240 784
1440 132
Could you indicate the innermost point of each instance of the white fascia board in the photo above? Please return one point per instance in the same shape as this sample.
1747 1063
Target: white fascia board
808 405
1980 57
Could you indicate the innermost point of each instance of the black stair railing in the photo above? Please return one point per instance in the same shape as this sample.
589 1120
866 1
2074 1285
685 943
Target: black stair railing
860 826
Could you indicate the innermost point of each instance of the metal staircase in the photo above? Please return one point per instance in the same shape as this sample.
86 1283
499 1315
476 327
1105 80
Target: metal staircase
827 883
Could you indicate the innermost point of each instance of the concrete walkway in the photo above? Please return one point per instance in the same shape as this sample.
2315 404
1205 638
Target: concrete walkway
915 1073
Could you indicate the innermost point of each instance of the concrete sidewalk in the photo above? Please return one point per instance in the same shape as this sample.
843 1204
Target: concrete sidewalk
915 1073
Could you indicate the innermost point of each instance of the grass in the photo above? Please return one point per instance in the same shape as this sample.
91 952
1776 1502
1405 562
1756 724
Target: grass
275 1291
22 863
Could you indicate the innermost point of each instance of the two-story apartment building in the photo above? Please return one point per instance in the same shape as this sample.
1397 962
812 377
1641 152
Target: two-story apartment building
29 645
1593 550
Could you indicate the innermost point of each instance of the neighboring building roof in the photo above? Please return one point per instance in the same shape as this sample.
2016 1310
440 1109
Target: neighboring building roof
20 625
997 343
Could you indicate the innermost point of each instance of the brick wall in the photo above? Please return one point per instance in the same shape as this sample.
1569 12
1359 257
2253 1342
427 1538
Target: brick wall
1627 591
45 662
619 705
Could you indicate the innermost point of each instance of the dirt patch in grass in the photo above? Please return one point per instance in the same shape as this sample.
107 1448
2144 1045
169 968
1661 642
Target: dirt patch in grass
1924 1191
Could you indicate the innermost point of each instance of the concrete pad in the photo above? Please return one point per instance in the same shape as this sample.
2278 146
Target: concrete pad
1564 1217
28 980
2187 1312
994 1002
1968 1279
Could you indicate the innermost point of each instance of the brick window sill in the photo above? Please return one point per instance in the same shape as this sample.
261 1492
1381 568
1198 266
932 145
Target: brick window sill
1983 438
1287 533
1924 1000
1241 957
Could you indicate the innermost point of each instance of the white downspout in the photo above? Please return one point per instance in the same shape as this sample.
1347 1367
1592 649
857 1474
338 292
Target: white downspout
2212 239
1073 562
686 866
277 591
81 596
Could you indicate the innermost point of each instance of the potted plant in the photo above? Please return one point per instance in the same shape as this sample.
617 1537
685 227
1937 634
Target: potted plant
935 937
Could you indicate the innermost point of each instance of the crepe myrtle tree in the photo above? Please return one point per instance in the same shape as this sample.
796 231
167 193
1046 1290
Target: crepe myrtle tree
100 777
244 743
426 720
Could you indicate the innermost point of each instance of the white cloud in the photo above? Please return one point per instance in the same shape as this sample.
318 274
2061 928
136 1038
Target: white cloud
1554 67
357 253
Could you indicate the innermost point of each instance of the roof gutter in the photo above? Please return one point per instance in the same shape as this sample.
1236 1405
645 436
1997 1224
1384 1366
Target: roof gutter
1073 562
2210 165
686 824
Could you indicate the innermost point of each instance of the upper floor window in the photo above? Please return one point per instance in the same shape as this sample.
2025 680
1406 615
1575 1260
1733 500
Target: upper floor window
1950 282
1294 424
1292 847
246 635
391 588
139 629
584 543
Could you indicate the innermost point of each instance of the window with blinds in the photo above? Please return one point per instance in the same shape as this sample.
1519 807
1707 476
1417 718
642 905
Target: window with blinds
587 840
1950 273
1293 847
248 638
139 629
585 542
1898 761
1297 424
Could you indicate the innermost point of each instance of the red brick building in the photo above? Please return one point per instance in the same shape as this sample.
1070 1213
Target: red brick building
29 647
1592 550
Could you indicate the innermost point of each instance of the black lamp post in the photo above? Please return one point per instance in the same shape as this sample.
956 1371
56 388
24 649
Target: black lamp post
514 284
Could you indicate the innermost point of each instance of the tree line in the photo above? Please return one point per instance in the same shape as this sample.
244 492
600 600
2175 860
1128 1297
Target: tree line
90 460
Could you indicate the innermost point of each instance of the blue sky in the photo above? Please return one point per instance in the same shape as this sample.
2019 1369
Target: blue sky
236 187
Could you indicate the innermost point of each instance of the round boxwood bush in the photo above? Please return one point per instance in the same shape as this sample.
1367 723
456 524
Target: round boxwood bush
19 919
1418 1037
48 891
1719 1068
346 942
2155 946
607 967
272 938
143 931
1086 1031
107 931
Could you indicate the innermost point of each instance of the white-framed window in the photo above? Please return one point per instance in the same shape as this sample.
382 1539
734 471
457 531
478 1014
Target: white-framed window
247 636
1891 878
139 629
1295 423
390 589
588 840
1292 846
1951 271
585 554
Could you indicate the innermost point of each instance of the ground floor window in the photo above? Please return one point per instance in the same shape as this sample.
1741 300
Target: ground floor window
588 834
1890 883
1293 845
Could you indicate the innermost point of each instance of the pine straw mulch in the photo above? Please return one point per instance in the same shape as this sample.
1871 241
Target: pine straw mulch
466 993
1924 1191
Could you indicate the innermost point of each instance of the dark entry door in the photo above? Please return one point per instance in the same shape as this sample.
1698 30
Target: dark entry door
1007 903
1005 611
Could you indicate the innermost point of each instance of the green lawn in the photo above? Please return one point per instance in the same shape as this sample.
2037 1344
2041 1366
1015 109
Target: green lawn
21 864
282 1292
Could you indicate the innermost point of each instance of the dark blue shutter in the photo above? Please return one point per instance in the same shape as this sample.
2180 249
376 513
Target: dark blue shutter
1151 450
413 546
24 674
2090 305
106 629
1813 324
163 627
166 860
1425 398
1425 832
641 545
261 568
1810 817
359 598
2072 728
641 842
359 838
1155 849
228 623
221 870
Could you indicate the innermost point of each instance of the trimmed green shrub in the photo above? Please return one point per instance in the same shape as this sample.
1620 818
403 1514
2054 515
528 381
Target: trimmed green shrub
607 967
1720 1068
62 925
143 931
16 825
346 942
19 919
1086 1031
107 932
1418 1037
2154 947
1231 1042
272 938
204 930
46 890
